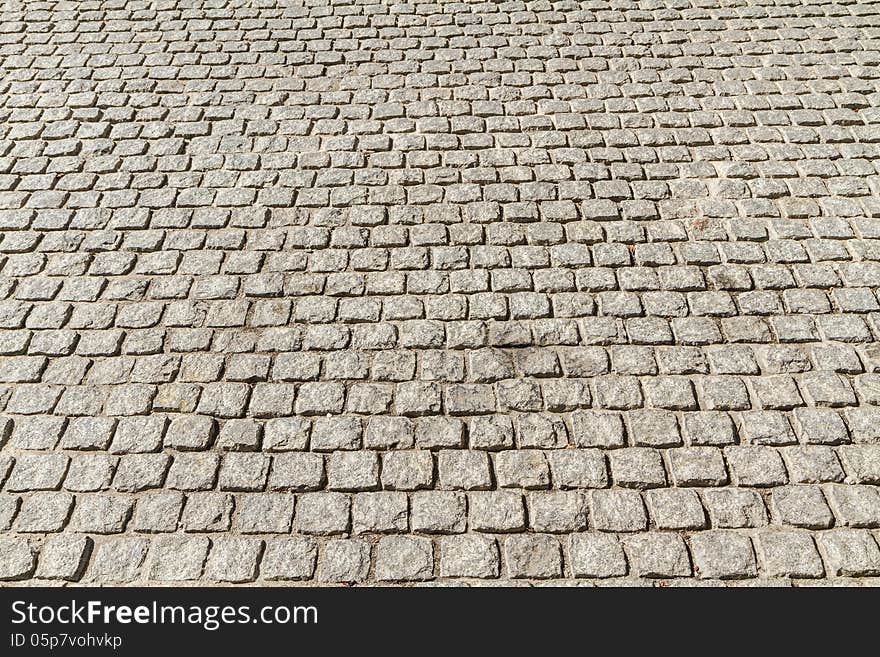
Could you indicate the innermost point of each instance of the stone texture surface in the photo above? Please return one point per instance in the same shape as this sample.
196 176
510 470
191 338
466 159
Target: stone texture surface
350 293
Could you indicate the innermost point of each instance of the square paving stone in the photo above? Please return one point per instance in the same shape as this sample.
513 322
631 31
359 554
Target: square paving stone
469 555
723 555
536 556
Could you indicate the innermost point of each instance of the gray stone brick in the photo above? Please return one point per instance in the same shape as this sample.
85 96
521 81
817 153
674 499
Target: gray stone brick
658 555
533 556
39 432
637 467
344 560
264 513
233 559
855 506
850 552
239 436
190 432
465 470
178 558
284 434
598 429
709 428
90 472
820 426
594 555
118 560
389 433
541 432
812 464
438 512
64 557
522 469
697 466
37 472
734 508
136 435
577 468
557 511
491 432
618 392
44 512
789 553
6 463
323 513
157 512
674 508
469 555
207 512
861 463
724 393
653 428
767 428
332 433
380 512
17 558
617 510
407 470
755 466
723 555
496 511
353 471
864 424
101 514
320 398
271 400
801 506
415 398
296 472
439 432
404 558
286 559
243 472
196 471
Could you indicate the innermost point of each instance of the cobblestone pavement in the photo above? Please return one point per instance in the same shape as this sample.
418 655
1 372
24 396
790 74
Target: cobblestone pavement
336 291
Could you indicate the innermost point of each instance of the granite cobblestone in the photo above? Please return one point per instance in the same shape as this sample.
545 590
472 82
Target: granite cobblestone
348 293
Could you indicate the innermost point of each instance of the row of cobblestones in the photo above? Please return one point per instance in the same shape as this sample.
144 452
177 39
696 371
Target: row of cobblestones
527 292
716 557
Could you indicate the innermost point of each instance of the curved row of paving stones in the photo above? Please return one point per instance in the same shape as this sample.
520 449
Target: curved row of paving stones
532 291
718 557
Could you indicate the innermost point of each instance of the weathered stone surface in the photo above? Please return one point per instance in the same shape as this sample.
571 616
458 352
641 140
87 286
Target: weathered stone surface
535 556
350 293
178 558
723 555
404 558
596 555
380 512
438 512
323 513
658 555
618 511
118 560
851 552
157 512
469 555
18 559
64 557
674 508
233 559
789 554
289 558
344 561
